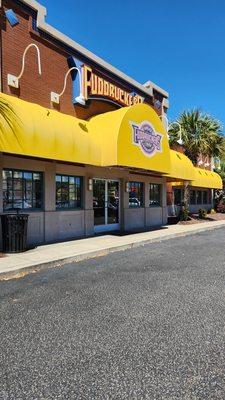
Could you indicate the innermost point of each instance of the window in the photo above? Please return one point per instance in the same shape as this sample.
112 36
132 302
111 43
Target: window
205 197
155 195
22 190
68 191
177 197
199 196
192 197
136 197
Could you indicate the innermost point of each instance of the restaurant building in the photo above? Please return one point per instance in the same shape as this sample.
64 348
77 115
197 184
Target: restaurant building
83 147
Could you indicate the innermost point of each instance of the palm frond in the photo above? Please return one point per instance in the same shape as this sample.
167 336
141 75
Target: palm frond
8 115
201 134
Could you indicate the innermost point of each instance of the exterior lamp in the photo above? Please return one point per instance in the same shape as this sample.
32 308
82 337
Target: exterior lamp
55 97
13 80
218 166
90 184
127 187
216 163
179 141
167 127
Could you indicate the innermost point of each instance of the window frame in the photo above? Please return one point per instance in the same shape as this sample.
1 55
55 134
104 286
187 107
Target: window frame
180 196
195 198
81 192
24 171
142 202
205 192
201 194
160 194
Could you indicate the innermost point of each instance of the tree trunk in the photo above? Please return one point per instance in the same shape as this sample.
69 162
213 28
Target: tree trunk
184 215
186 195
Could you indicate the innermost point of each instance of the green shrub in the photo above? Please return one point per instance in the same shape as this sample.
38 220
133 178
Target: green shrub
211 211
184 214
202 213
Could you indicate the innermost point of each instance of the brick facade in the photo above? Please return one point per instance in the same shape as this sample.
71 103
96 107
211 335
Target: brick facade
36 88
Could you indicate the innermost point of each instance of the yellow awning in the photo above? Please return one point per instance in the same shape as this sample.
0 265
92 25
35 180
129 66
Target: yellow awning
131 136
181 167
44 133
206 179
203 179
116 131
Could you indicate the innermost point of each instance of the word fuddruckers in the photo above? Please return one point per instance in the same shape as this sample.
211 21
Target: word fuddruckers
95 85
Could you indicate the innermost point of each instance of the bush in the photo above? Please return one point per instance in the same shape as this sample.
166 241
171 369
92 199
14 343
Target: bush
221 208
211 211
202 213
184 214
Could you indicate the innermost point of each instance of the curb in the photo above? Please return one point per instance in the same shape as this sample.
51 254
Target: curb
20 273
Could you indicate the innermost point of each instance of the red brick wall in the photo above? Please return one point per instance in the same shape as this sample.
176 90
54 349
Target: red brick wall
33 87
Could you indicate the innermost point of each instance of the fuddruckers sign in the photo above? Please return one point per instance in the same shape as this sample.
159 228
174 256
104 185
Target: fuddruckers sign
96 86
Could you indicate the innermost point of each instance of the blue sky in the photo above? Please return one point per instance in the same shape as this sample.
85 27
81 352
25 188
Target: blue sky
177 44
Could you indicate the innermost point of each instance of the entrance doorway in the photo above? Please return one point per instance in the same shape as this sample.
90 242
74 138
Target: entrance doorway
106 204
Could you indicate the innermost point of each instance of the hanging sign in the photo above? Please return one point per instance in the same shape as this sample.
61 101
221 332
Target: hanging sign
95 86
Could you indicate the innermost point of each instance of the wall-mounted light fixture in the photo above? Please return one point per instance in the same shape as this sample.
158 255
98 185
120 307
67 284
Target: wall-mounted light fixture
14 80
167 126
127 187
55 97
179 141
90 184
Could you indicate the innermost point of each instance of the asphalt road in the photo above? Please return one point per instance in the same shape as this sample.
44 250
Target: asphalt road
146 323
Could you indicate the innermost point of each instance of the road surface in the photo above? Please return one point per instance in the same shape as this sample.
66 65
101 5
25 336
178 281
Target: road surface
146 323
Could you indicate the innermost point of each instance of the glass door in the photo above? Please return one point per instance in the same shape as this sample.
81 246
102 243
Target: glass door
106 204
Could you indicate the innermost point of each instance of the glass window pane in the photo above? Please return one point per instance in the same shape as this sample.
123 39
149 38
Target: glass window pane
68 191
6 174
58 178
136 195
17 174
17 180
205 197
155 194
7 200
17 199
21 191
199 196
7 180
37 176
37 192
65 179
192 197
177 197
72 193
27 176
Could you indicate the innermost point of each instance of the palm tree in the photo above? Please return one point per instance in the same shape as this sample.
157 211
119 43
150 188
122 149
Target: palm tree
201 135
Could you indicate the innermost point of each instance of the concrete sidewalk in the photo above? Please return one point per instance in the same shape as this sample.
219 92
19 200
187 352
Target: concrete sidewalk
57 254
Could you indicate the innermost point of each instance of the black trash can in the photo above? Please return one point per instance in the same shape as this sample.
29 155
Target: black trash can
14 232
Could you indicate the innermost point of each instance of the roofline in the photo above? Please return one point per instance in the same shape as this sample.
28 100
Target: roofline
150 84
44 26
